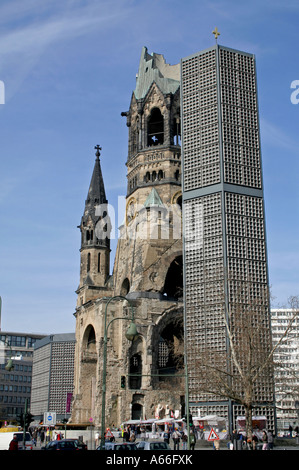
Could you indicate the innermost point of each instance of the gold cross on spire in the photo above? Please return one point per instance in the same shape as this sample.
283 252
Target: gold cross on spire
216 33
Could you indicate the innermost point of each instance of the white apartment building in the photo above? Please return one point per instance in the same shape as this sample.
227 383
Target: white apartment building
286 360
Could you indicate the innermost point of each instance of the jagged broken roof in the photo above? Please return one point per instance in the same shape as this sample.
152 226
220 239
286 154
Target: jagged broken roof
153 68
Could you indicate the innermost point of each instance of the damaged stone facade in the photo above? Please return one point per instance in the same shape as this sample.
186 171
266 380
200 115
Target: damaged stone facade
147 268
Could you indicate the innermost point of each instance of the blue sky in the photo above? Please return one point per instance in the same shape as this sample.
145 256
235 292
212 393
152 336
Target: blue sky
69 70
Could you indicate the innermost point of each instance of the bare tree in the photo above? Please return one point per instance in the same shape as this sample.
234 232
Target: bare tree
243 370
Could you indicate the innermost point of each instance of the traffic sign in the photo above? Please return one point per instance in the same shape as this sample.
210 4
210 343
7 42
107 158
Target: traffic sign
108 433
213 436
50 418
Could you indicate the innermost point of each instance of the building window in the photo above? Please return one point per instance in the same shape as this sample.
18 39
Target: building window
177 131
155 134
135 368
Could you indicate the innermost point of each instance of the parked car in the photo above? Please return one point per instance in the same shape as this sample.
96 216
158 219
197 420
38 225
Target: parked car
80 444
155 445
28 440
123 446
63 444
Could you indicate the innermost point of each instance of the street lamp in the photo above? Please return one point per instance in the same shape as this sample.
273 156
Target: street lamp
9 366
131 335
132 332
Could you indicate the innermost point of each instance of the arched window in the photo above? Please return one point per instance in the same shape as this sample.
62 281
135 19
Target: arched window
160 175
91 339
88 262
173 286
155 135
179 201
89 345
125 287
137 411
89 235
170 353
135 368
177 130
99 262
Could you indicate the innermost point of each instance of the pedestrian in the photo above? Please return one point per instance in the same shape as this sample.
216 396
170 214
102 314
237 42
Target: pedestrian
96 438
13 445
192 440
127 434
184 441
234 439
270 440
265 440
176 440
254 442
216 444
166 436
34 437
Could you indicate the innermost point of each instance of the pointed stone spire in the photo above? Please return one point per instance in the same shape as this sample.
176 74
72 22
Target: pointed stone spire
96 193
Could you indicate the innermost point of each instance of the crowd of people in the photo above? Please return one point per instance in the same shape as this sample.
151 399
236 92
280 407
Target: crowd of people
41 434
177 437
238 441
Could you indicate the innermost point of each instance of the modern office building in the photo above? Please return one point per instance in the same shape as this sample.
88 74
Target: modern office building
53 376
225 255
16 383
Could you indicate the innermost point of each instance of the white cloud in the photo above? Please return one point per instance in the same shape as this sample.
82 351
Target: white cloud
276 137
28 34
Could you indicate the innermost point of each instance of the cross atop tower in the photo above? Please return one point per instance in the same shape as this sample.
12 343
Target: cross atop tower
98 148
216 33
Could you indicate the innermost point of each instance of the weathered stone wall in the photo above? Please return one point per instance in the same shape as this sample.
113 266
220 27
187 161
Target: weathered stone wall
150 242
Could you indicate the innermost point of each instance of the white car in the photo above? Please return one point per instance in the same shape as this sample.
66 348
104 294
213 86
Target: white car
155 445
28 440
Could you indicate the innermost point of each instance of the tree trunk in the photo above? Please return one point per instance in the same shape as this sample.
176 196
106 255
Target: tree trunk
248 420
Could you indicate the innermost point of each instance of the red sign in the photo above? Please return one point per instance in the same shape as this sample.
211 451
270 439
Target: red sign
108 433
213 436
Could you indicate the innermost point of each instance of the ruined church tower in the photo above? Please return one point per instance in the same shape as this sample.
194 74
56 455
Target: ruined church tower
144 378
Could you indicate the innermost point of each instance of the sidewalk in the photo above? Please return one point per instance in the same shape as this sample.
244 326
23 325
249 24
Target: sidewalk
208 445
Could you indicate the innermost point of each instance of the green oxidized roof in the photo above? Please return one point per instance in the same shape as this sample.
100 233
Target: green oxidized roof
153 199
153 68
